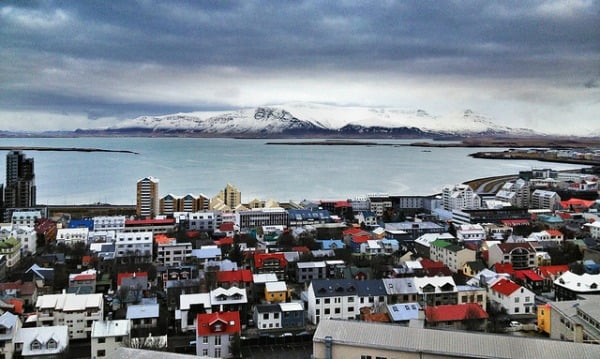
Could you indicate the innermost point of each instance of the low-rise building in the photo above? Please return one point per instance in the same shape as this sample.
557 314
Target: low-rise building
513 298
42 342
108 336
9 326
70 236
215 332
76 311
570 286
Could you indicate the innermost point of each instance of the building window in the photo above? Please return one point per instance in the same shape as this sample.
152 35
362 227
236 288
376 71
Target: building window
101 340
101 353
204 340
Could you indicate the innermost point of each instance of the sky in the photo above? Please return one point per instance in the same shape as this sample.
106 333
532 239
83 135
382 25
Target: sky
89 64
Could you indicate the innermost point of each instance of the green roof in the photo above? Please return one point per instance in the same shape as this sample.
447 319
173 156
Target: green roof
441 243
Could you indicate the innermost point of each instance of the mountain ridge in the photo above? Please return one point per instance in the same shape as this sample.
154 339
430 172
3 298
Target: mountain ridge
302 119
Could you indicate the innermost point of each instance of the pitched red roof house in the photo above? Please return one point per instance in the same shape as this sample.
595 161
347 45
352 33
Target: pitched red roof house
456 312
528 274
261 258
504 268
505 287
227 227
552 271
432 268
220 323
224 241
235 276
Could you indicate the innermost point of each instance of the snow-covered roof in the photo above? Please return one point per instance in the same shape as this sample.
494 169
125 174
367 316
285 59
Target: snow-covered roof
110 328
142 311
186 300
276 286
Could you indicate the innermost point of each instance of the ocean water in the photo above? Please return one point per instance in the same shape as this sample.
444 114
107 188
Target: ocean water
280 172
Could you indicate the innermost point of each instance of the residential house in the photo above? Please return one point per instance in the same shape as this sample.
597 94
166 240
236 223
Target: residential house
206 254
134 247
259 281
27 291
469 316
403 313
241 278
215 332
332 298
143 316
471 233
400 290
232 299
276 292
190 305
422 245
594 229
41 276
435 291
460 196
570 286
454 256
267 317
77 311
574 321
42 342
550 274
511 297
543 199
27 236
83 283
472 268
270 263
520 254
109 223
9 326
172 253
293 316
70 236
108 336
11 249
409 231
530 279
307 271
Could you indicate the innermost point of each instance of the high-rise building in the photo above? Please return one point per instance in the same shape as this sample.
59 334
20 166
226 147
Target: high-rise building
147 204
232 196
19 191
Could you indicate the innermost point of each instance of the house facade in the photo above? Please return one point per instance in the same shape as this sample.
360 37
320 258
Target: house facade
76 311
215 332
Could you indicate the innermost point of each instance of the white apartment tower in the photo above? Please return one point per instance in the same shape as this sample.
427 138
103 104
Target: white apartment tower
460 196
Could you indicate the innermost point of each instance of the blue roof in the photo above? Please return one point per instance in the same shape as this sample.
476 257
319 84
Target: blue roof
404 311
142 311
371 287
329 243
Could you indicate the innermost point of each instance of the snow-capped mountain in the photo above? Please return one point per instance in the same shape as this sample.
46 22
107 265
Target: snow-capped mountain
309 118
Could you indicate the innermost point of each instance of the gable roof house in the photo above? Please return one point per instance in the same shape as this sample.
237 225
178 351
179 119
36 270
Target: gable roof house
513 298
42 341
9 326
469 316
214 333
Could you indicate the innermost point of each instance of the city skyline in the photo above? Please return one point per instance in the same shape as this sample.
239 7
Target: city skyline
81 65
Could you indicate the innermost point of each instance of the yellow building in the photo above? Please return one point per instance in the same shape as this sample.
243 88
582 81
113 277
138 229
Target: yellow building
276 292
543 318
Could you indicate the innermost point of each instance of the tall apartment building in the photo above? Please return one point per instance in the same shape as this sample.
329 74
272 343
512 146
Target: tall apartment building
460 196
147 197
19 189
232 196
515 192
77 311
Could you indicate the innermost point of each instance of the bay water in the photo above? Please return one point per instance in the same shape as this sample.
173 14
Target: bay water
279 172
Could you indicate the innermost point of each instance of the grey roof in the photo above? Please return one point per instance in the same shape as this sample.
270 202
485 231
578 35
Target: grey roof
110 328
142 311
370 287
334 287
404 311
447 343
399 286
268 308
129 353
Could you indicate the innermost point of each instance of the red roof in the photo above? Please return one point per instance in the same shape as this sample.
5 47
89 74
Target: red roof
149 222
226 226
354 231
162 238
504 268
554 232
340 204
301 249
515 222
122 276
564 215
242 275
444 313
361 239
224 241
549 271
528 274
505 286
259 259
576 202
85 277
220 323
435 268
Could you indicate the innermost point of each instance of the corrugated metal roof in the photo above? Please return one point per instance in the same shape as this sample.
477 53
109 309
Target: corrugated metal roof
448 343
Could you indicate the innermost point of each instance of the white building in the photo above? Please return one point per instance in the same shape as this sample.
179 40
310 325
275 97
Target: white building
77 311
25 218
510 296
108 336
515 192
138 244
42 342
205 221
594 229
170 253
460 196
70 236
452 255
9 326
109 223
542 199
471 233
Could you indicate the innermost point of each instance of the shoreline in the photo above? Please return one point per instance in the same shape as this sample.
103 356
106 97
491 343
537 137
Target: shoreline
62 149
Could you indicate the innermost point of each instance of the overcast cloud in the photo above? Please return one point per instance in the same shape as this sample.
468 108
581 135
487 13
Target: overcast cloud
74 64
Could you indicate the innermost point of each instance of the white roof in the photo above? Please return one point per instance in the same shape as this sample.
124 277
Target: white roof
373 244
276 286
291 307
186 300
26 336
579 283
70 302
264 277
110 328
437 282
311 264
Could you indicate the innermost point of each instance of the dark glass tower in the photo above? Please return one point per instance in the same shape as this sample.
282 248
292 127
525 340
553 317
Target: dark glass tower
19 190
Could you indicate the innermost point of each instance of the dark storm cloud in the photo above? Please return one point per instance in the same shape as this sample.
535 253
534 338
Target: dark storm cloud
470 39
